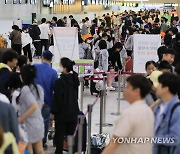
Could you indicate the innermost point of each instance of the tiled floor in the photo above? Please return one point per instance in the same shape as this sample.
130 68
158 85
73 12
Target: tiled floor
111 108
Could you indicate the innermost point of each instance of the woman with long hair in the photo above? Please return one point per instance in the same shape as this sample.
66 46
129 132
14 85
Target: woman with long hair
31 100
65 104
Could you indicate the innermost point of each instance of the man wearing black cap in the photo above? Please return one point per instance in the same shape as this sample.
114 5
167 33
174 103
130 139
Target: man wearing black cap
46 77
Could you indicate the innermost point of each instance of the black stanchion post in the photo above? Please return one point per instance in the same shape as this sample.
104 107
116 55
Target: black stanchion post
101 111
81 97
70 142
80 132
90 107
104 124
104 100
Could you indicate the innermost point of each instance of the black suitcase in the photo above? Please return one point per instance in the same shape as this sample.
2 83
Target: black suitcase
84 140
93 88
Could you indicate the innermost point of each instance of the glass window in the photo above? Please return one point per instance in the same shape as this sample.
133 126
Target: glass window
8 1
23 1
15 1
33 1
56 1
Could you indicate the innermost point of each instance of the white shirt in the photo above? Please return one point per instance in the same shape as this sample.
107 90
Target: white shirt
15 105
136 121
26 39
45 31
4 99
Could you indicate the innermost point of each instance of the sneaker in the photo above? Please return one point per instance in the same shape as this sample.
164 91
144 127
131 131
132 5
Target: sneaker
110 88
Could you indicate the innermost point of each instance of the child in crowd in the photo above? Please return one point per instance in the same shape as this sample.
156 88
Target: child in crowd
150 67
165 67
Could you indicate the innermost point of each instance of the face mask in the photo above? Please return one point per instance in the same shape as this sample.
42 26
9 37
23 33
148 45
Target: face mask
100 34
89 41
127 32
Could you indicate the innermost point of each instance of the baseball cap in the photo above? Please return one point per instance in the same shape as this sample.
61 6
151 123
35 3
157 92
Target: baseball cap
89 36
154 77
147 26
47 55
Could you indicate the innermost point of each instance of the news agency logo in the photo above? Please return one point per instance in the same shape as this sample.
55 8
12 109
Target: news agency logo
143 140
100 140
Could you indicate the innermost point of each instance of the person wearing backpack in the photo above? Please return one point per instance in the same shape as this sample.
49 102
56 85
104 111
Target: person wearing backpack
167 112
65 103
34 32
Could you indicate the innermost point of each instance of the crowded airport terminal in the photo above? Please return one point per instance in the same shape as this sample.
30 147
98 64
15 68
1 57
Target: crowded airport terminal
89 76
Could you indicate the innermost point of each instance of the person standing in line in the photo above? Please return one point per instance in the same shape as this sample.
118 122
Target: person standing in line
46 77
35 32
65 21
169 56
128 44
108 20
26 43
176 47
135 122
84 29
114 63
103 57
93 28
82 47
45 33
73 21
31 100
65 104
9 62
15 37
8 119
53 22
167 121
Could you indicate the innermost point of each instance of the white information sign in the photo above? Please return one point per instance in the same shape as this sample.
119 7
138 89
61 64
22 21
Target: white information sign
65 44
145 49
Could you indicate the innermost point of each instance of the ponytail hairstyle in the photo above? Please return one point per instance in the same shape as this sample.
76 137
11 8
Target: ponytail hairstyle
1 136
28 74
68 64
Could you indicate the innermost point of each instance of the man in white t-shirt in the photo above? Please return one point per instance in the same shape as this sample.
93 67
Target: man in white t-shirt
134 128
45 32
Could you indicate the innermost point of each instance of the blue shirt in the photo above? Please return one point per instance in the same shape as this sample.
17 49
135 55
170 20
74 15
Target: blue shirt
46 77
161 127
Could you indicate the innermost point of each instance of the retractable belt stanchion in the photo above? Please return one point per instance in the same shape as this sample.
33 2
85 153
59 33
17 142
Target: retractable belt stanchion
70 142
104 124
90 107
119 96
80 132
124 83
101 111
81 97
